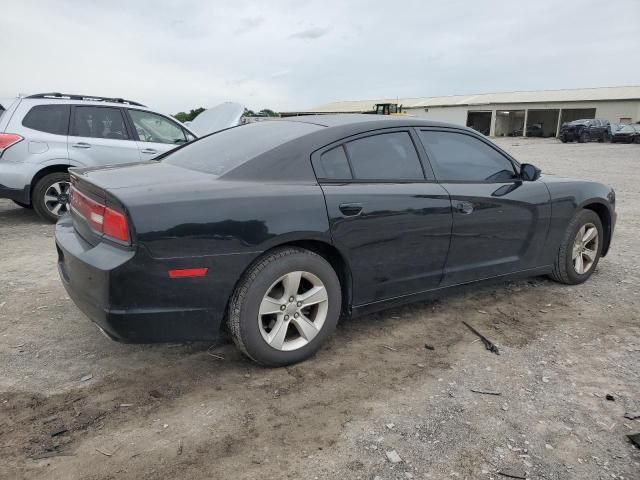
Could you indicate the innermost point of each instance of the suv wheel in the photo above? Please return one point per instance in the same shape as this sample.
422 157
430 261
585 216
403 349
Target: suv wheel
580 249
284 307
584 137
51 196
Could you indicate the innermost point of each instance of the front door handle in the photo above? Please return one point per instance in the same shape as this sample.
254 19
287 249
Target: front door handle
81 145
464 207
351 209
149 151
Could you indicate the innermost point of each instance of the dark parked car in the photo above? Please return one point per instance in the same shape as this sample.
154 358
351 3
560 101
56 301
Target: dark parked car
274 229
627 134
532 131
588 130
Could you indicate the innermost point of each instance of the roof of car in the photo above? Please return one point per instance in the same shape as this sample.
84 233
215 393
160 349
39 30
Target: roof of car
359 119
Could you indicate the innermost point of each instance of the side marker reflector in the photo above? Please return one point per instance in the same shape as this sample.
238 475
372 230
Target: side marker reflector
188 272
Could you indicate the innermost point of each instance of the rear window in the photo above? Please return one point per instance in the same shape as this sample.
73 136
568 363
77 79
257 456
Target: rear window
225 150
48 118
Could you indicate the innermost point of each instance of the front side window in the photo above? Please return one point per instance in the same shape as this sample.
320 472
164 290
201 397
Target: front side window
460 157
48 118
387 156
99 122
156 128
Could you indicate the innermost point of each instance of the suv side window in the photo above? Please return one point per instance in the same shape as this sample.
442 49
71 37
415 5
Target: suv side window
99 122
385 156
460 157
156 128
48 118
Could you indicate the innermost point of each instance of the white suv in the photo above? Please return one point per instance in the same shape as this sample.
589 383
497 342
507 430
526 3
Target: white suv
42 135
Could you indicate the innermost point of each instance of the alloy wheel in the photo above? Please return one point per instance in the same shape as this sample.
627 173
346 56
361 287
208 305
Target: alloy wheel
56 198
585 248
293 311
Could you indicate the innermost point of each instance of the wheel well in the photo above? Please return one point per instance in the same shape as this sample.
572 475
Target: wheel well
605 217
332 255
46 171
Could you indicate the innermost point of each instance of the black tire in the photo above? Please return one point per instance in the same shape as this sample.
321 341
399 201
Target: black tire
637 139
23 205
37 198
563 269
584 137
244 305
563 138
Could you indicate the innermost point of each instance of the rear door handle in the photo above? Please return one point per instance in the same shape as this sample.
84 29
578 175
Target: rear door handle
150 151
464 207
81 145
351 209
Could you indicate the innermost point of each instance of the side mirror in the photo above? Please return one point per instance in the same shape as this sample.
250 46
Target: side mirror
529 173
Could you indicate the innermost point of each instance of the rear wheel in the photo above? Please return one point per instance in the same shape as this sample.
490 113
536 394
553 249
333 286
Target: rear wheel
637 139
51 196
580 249
23 205
285 306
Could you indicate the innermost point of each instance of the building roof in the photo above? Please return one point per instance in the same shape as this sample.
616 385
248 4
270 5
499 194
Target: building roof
538 96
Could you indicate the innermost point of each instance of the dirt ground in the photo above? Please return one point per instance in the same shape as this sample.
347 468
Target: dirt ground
74 404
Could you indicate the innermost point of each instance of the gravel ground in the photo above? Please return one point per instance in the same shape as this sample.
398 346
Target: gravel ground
373 404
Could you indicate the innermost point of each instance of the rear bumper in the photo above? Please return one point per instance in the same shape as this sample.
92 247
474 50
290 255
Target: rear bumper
18 194
130 296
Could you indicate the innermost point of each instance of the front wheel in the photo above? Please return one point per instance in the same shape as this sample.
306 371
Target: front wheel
580 249
284 307
51 196
636 139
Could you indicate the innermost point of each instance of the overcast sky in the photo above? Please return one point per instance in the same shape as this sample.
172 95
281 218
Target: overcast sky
294 54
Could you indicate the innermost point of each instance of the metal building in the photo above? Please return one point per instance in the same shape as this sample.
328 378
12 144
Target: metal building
502 114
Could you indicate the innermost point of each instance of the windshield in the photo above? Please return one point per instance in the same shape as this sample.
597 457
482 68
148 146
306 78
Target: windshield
580 122
627 129
219 153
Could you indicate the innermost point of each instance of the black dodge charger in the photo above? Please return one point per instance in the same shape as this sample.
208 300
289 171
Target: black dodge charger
274 230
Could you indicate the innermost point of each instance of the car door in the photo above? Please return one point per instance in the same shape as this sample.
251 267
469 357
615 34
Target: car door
500 223
391 222
156 133
99 136
595 130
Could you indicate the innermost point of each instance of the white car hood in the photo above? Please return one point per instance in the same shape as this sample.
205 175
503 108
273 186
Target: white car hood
217 118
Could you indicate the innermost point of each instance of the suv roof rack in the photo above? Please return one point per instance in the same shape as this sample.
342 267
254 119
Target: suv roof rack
88 98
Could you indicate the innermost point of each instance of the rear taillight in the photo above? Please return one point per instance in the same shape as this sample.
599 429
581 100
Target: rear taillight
102 219
8 140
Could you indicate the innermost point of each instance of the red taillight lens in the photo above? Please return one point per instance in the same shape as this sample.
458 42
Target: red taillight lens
115 225
8 140
102 219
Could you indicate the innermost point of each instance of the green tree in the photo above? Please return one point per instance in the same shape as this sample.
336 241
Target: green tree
188 117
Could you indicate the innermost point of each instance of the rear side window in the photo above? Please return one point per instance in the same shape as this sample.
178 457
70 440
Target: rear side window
225 150
99 122
460 157
48 118
333 165
387 156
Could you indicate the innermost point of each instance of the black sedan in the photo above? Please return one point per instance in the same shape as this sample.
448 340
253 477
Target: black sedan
627 134
273 230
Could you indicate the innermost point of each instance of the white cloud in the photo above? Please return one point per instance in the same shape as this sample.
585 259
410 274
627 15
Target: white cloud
289 54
